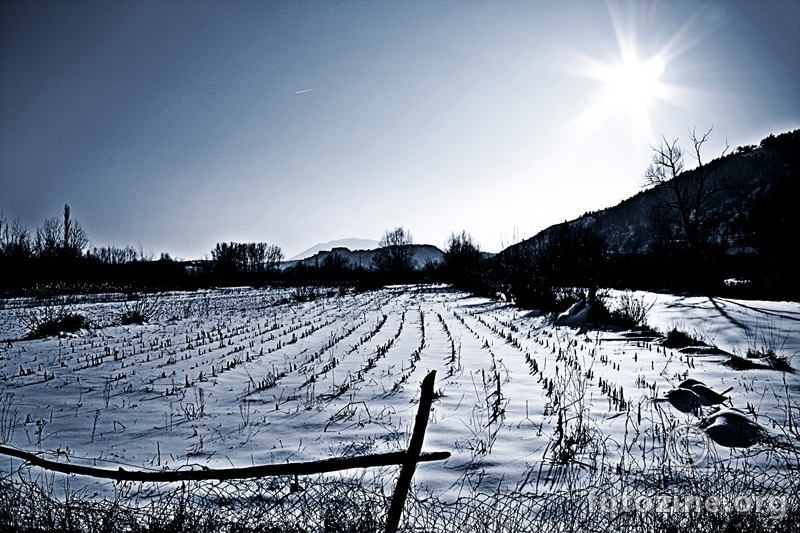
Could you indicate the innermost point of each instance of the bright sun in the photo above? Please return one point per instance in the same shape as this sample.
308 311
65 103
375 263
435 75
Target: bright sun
632 88
629 87
634 82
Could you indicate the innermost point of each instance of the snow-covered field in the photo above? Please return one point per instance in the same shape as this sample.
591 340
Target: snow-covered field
241 377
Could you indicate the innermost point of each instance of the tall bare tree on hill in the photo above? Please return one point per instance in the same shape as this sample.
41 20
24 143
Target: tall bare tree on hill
681 200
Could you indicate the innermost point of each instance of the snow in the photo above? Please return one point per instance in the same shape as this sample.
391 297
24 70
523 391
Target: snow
575 316
238 377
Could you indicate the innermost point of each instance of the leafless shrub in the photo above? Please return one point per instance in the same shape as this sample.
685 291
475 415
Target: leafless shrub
143 308
632 310
53 317
766 347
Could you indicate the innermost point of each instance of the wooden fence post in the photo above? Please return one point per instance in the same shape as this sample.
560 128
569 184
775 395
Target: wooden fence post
412 454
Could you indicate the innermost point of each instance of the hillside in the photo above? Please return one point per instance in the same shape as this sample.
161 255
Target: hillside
755 210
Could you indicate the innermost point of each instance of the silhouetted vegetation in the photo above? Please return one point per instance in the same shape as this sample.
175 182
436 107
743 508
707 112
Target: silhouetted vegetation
725 228
734 237
141 309
246 258
53 317
394 260
680 202
533 274
465 266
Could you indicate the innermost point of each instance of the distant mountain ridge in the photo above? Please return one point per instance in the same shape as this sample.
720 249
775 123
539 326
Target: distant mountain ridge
351 243
422 254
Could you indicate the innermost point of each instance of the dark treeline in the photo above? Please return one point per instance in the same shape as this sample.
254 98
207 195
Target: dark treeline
692 254
538 275
742 249
56 258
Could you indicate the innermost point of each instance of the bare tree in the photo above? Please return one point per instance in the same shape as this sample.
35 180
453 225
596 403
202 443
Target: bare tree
74 237
48 239
112 255
462 259
146 256
273 257
681 200
15 241
62 239
18 243
67 227
246 257
395 254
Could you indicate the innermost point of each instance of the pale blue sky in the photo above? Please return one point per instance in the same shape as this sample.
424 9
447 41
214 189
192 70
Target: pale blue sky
175 125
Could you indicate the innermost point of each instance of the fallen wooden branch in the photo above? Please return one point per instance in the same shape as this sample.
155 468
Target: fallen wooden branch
285 469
